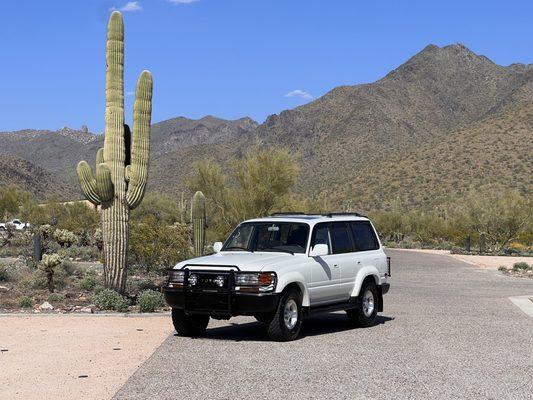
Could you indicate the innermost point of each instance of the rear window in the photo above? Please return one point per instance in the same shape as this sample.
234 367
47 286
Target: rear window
364 236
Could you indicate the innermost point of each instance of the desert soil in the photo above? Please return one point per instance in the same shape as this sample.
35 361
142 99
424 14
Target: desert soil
47 356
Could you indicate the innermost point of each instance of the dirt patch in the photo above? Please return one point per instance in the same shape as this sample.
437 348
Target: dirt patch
74 356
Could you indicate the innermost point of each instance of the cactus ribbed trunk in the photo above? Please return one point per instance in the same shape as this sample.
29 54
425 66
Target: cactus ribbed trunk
122 165
115 232
198 218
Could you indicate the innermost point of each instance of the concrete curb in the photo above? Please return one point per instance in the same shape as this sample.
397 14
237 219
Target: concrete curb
123 315
524 303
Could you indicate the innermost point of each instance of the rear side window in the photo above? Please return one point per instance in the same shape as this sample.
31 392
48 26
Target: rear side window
341 239
364 236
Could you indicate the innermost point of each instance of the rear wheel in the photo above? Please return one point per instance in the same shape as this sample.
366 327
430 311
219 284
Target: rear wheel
367 308
286 322
189 325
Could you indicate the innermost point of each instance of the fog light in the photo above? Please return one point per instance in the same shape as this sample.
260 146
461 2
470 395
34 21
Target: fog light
193 279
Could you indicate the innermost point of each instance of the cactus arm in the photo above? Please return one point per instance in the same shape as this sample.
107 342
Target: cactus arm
140 146
127 173
104 183
87 182
100 156
114 148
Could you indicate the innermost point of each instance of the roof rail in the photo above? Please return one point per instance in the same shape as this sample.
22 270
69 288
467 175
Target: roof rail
282 214
339 214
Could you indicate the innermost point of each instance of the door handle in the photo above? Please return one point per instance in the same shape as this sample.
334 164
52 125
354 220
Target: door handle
358 262
335 265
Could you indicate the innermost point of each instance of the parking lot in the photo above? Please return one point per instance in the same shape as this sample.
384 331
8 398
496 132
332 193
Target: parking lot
448 331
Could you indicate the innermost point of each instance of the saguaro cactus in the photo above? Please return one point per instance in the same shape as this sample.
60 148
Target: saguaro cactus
198 223
122 164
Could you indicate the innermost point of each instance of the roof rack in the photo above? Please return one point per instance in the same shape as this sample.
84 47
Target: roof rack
340 214
284 214
328 215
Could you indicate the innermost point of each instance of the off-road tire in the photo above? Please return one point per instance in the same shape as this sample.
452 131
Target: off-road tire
189 325
277 329
357 315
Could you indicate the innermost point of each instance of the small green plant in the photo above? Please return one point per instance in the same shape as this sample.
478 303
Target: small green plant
56 298
65 237
25 302
150 301
108 299
88 282
520 266
502 268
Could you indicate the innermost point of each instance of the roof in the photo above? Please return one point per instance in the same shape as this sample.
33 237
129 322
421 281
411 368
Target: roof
314 218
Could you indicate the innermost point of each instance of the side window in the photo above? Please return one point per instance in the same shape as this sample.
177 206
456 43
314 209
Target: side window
321 236
341 238
364 236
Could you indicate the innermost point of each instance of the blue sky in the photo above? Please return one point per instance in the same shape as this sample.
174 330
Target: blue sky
229 58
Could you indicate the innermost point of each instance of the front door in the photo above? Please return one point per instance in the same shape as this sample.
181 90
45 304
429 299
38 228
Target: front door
324 284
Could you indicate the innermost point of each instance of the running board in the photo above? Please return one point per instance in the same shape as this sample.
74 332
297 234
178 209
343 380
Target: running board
345 305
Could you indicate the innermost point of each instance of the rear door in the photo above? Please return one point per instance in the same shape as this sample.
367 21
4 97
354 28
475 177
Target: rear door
324 284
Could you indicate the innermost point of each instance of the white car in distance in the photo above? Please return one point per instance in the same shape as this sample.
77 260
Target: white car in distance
281 269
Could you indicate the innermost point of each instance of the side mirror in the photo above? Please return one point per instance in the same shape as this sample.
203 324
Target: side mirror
217 246
319 250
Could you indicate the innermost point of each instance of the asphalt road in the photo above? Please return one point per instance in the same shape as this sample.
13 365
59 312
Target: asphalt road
448 331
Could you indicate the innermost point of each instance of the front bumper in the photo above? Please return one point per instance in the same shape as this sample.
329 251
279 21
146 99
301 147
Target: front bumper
223 303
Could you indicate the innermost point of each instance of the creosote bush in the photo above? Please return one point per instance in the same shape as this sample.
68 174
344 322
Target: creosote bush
150 301
110 300
25 302
521 266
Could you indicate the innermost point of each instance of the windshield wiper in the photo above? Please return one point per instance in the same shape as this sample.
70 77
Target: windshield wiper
279 250
235 248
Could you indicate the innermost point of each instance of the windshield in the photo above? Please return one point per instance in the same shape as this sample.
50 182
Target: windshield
288 237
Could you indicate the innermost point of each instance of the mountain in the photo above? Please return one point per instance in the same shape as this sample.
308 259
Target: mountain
444 121
58 152
43 184
437 91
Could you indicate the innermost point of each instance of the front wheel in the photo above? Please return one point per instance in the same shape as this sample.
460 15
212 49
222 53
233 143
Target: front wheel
365 313
189 325
286 323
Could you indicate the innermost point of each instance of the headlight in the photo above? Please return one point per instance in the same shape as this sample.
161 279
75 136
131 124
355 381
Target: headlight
255 282
176 277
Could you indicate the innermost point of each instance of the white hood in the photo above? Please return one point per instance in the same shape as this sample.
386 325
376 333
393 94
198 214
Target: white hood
245 261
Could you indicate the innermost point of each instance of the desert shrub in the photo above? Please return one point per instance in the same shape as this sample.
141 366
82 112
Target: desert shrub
56 298
108 299
150 301
71 268
89 281
25 302
85 253
137 284
502 268
8 272
520 266
155 246
65 238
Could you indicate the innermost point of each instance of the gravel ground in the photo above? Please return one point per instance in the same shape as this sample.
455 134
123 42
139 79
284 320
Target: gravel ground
449 331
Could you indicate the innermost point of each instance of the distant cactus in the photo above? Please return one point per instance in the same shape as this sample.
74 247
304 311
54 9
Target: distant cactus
183 209
49 266
198 223
122 164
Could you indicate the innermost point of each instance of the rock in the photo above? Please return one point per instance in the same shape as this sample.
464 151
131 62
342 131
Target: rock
4 289
87 310
46 306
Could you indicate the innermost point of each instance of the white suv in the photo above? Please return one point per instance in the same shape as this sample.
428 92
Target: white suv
281 269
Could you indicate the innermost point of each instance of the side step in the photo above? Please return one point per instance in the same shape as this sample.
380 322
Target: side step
345 305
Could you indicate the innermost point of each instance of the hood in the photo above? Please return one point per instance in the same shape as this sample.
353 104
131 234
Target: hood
245 261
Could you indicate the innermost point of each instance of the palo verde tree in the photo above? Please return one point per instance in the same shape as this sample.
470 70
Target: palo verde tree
122 164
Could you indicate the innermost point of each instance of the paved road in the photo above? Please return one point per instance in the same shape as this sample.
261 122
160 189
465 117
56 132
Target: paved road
448 331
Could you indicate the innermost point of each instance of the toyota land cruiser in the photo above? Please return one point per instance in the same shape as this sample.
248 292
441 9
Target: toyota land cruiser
281 269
